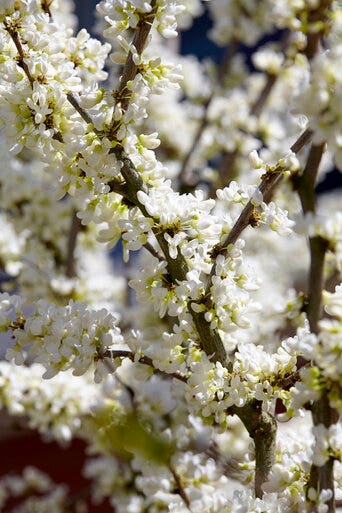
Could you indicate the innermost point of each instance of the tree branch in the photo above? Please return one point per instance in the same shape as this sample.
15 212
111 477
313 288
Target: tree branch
209 340
84 115
130 68
154 252
259 103
145 360
321 477
268 183
314 38
180 489
318 246
46 4
75 228
260 425
262 428
12 30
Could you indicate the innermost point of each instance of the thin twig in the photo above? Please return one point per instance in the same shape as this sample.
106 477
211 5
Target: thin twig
180 488
230 467
154 252
21 62
271 79
291 379
259 103
21 59
84 115
46 4
118 186
145 360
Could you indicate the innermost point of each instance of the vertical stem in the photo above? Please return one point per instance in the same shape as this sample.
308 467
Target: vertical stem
46 4
306 183
130 68
262 428
318 248
265 446
180 488
314 38
75 227
321 478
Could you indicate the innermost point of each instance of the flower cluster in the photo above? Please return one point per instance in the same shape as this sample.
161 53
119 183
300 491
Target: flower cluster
124 15
35 250
184 221
321 101
36 107
11 306
230 292
324 350
61 338
269 214
249 21
55 407
256 374
34 490
243 21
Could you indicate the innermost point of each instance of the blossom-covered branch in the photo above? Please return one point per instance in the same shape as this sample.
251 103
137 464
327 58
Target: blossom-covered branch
220 337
